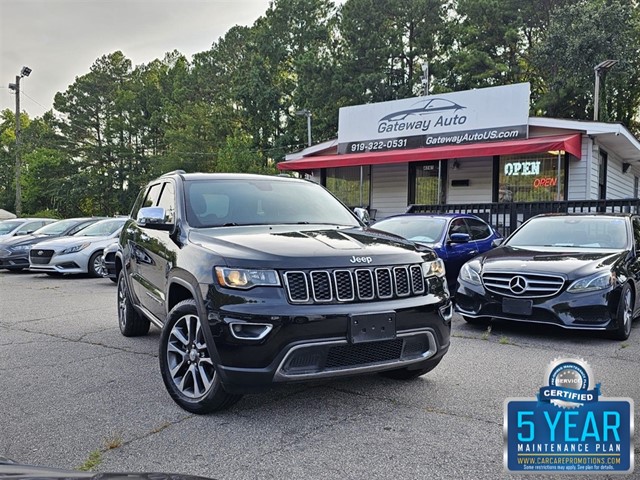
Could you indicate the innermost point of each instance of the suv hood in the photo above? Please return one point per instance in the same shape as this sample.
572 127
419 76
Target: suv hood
286 248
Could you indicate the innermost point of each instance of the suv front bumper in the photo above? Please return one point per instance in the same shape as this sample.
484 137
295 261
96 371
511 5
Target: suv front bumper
313 342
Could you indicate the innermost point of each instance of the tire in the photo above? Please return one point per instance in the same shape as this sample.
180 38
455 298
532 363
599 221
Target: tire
114 280
476 321
188 371
407 374
95 268
624 315
131 323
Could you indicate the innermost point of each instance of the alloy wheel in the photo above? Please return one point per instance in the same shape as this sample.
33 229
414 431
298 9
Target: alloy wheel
188 359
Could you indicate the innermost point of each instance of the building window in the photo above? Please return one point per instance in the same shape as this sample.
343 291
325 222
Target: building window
425 183
345 183
532 178
635 187
602 175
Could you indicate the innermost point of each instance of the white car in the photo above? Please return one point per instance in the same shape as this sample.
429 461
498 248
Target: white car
79 253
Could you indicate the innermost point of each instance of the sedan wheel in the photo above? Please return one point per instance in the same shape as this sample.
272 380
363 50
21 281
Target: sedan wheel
95 267
187 367
624 314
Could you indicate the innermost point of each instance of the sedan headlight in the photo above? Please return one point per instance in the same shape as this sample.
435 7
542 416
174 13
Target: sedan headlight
20 248
435 268
470 275
245 278
598 281
75 248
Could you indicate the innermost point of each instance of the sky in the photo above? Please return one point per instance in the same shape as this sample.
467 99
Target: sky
60 39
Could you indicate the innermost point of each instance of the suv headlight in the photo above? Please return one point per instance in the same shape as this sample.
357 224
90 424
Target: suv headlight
435 268
469 275
598 281
20 248
75 248
246 278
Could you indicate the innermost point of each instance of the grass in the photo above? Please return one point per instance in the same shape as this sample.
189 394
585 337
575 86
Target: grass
95 459
624 345
503 340
114 441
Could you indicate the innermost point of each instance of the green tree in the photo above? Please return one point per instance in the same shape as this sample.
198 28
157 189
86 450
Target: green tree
238 155
384 45
569 51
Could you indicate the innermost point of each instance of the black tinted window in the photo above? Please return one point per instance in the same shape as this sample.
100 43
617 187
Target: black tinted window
478 229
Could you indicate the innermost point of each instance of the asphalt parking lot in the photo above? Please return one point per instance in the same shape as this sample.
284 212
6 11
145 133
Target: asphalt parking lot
75 392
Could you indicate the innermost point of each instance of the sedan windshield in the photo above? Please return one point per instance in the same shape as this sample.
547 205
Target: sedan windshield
104 228
572 231
414 227
8 225
220 202
57 228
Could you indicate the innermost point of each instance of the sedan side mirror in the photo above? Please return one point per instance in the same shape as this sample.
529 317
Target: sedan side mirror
459 238
497 242
363 215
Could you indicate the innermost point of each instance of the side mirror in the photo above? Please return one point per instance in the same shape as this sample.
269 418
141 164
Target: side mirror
152 217
459 238
497 242
363 215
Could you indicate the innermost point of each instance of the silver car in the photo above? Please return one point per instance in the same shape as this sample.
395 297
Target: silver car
79 253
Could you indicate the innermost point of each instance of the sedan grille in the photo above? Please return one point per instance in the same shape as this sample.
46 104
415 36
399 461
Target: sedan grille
354 285
522 285
40 257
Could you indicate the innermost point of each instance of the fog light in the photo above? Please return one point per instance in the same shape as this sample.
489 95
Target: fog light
250 331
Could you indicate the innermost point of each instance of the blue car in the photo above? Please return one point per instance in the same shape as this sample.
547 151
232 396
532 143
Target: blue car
456 237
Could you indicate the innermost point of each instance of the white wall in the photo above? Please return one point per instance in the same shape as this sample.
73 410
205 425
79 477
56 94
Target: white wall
619 185
479 172
578 173
389 189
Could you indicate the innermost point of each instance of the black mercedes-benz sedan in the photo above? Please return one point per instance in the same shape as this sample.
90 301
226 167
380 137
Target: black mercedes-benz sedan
576 271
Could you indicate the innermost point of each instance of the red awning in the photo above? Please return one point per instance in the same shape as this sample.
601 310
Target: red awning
571 143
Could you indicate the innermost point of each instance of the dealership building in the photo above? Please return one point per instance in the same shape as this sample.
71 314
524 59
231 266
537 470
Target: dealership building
474 151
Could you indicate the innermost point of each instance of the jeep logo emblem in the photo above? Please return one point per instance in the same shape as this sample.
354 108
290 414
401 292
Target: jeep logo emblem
355 259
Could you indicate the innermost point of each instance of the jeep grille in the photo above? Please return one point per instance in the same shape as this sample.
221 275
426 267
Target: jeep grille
354 285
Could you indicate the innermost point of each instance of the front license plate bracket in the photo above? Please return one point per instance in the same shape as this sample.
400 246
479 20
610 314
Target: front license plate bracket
517 306
372 327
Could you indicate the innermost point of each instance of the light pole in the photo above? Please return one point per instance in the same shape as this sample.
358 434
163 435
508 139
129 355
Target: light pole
600 70
306 113
25 72
425 79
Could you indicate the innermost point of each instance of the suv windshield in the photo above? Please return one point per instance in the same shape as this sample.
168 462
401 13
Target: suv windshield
570 231
226 202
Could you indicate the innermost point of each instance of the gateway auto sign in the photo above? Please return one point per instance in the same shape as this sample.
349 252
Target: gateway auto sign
483 115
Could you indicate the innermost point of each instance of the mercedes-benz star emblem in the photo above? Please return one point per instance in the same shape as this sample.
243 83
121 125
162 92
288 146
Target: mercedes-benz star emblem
40 252
518 284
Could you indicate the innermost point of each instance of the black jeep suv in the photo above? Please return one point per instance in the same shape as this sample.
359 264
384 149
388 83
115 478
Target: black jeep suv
256 280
